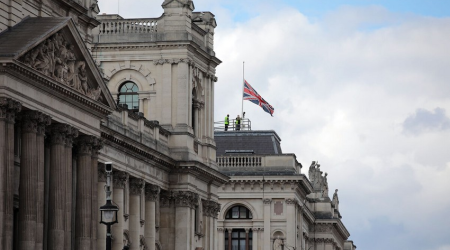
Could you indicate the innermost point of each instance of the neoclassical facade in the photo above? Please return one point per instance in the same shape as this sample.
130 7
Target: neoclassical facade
67 106
268 203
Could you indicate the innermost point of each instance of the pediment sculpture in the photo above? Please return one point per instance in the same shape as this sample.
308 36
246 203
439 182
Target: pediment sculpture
56 58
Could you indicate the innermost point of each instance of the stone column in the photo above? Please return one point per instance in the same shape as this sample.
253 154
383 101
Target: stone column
28 180
40 168
151 195
57 204
136 188
247 231
184 202
101 197
120 180
8 110
255 238
71 134
266 239
221 239
84 193
97 145
290 224
230 230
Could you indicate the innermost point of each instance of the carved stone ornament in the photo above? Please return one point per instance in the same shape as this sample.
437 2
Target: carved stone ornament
120 179
166 198
185 199
267 201
9 108
290 201
29 121
151 192
59 132
210 208
136 186
85 143
43 122
71 135
56 58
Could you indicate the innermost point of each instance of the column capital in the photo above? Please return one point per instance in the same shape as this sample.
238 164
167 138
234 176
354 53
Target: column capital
59 132
166 198
229 230
97 145
220 229
43 122
9 108
210 208
71 134
136 186
85 143
247 230
29 121
185 199
151 192
119 179
267 201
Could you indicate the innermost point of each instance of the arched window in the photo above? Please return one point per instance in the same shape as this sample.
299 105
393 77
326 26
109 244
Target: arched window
128 94
238 212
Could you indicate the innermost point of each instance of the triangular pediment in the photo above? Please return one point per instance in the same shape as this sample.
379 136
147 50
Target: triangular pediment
53 47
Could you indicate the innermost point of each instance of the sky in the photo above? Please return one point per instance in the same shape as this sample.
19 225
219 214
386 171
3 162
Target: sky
360 86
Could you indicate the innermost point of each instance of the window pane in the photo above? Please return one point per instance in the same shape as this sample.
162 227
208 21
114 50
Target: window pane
242 245
250 215
235 244
235 212
235 235
242 235
243 213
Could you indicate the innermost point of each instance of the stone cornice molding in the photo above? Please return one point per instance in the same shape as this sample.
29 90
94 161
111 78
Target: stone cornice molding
136 186
9 108
120 179
151 192
201 171
185 199
34 77
146 153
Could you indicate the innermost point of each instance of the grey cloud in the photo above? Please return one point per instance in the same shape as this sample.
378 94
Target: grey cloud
425 121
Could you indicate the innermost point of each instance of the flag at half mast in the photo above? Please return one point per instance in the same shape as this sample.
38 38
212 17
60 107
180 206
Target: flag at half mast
250 94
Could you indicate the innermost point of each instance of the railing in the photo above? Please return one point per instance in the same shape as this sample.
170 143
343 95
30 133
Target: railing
246 124
239 161
127 26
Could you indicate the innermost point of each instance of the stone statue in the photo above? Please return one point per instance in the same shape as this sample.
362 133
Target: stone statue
335 201
324 186
278 244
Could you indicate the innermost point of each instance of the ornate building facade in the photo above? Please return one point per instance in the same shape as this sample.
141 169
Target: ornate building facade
78 89
269 204
150 112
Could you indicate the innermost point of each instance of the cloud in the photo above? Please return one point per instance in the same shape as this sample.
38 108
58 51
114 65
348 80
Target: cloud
425 121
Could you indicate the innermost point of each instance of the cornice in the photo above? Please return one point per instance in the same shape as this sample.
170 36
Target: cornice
201 170
31 76
142 151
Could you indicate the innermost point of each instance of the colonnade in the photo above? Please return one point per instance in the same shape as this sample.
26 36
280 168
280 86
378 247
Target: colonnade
47 196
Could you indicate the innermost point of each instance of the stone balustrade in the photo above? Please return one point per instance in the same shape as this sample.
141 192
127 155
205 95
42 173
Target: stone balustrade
127 26
244 161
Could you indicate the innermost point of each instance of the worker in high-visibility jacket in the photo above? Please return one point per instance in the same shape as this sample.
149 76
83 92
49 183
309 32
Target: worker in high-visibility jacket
238 123
227 121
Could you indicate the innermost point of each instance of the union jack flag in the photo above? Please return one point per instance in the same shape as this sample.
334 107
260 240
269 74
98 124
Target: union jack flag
250 94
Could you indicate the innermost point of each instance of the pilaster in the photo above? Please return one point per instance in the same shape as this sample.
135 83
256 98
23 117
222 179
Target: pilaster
120 180
96 147
101 200
71 135
267 214
184 202
151 195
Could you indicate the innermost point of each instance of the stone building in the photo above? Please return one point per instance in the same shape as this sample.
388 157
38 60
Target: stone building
149 110
268 203
78 89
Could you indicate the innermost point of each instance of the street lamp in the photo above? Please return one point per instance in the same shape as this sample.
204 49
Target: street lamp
108 212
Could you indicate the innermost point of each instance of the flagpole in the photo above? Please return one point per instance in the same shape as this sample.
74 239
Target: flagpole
243 86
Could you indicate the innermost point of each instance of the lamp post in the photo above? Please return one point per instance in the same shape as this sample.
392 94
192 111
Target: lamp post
108 212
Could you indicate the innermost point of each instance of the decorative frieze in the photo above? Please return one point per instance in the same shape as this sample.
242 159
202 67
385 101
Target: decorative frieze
174 61
136 186
151 192
56 58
